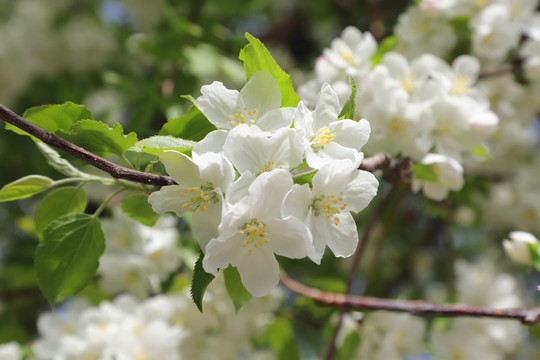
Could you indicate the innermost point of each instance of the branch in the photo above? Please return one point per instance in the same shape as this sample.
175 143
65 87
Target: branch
417 307
116 171
394 170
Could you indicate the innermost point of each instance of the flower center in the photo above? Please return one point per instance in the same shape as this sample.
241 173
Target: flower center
461 85
199 197
322 138
397 126
244 116
348 57
329 206
255 232
408 82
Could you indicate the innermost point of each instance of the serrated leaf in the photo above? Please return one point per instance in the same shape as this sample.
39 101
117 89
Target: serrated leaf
157 144
57 203
191 126
100 139
425 173
235 288
56 161
348 109
68 256
387 45
200 281
256 57
25 187
53 117
138 208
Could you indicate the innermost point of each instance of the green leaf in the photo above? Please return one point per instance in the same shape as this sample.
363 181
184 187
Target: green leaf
56 161
348 109
481 151
280 337
387 45
138 208
53 117
256 57
25 187
68 257
59 202
199 283
304 178
191 126
100 139
235 288
425 173
156 144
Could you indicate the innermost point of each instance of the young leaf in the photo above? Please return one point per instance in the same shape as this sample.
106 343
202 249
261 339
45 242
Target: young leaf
59 202
256 57
138 208
25 187
156 144
199 283
99 139
425 173
67 258
56 161
348 109
235 288
53 117
385 46
191 126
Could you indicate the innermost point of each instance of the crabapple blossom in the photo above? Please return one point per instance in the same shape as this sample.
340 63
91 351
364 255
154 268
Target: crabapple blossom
253 230
519 245
327 138
200 189
449 177
338 189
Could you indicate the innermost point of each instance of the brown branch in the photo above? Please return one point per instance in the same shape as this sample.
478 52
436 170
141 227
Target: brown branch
116 171
416 307
394 170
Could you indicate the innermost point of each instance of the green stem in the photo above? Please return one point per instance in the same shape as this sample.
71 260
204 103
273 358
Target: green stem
306 173
106 202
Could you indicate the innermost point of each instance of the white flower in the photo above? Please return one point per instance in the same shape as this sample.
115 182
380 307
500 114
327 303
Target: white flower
258 103
338 189
10 351
327 138
251 149
518 246
449 177
531 65
200 189
253 231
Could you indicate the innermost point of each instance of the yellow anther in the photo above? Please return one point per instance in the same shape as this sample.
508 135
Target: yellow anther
322 138
250 251
461 85
348 57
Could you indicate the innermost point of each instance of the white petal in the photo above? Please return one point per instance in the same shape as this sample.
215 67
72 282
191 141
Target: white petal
285 148
351 134
333 177
259 271
222 251
297 202
289 237
343 238
327 109
267 192
181 168
330 153
276 119
320 231
216 169
218 103
239 188
204 224
361 190
212 142
261 92
244 147
169 198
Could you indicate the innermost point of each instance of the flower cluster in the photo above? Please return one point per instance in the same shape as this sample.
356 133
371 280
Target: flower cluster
138 258
160 327
240 182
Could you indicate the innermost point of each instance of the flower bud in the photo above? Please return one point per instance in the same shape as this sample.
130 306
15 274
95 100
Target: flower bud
517 247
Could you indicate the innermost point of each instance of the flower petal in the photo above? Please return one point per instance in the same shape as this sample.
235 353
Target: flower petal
181 168
204 224
267 192
212 142
343 238
261 92
328 107
259 271
218 103
244 148
297 202
169 198
216 169
276 119
351 134
361 190
289 237
222 251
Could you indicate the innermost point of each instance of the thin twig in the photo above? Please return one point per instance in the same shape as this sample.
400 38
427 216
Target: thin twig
416 307
116 171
